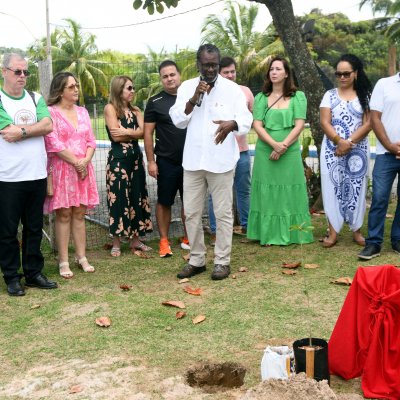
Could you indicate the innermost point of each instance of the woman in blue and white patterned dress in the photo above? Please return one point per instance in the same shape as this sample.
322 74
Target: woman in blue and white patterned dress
344 114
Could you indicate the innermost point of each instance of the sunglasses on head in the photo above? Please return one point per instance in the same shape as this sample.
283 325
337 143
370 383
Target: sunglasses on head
19 72
130 88
345 74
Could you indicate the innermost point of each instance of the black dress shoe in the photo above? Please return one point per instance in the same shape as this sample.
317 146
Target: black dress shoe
190 270
41 282
15 288
220 272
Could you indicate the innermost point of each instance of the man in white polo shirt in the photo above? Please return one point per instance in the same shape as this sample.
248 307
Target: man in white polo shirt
24 120
385 112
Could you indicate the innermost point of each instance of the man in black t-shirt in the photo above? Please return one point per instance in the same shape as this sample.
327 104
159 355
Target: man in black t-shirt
167 167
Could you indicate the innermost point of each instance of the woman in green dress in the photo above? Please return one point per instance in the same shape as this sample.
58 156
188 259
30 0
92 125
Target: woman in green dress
127 197
278 198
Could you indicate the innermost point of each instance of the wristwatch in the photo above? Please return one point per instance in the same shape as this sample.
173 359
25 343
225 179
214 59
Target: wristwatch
24 133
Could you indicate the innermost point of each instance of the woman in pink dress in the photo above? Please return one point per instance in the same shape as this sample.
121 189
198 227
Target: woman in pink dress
70 148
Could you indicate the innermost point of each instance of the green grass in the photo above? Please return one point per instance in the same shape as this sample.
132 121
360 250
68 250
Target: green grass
243 315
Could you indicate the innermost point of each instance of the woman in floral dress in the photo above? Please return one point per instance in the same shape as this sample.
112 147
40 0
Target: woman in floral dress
345 149
70 148
127 197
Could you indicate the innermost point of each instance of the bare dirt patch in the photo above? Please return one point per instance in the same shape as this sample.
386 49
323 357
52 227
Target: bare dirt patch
119 379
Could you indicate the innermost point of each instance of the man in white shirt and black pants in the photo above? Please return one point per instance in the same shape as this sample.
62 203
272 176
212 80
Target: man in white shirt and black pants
214 110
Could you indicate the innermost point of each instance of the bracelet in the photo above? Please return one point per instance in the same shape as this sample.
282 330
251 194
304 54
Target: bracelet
192 102
336 139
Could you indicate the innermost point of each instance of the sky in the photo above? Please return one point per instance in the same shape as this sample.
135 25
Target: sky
23 21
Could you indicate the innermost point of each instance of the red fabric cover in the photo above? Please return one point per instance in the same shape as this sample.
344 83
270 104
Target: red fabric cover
366 337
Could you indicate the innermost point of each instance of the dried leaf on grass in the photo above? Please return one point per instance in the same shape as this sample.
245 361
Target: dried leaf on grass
141 254
244 240
174 303
180 314
35 306
107 246
104 322
243 269
198 319
184 280
291 265
289 272
186 257
345 280
389 216
194 292
125 287
233 276
75 389
311 266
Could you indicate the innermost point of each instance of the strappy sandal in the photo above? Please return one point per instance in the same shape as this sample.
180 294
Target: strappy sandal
84 264
65 272
142 247
115 252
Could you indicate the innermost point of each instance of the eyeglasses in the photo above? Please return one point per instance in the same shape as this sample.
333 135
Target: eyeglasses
209 65
345 74
73 86
19 72
130 88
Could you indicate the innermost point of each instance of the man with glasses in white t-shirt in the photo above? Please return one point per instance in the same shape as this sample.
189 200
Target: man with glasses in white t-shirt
24 120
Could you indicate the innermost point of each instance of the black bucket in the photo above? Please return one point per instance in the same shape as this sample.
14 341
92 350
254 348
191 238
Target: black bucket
321 367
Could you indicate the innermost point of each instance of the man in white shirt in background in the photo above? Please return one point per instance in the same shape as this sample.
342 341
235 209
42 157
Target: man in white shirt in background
385 111
242 179
214 110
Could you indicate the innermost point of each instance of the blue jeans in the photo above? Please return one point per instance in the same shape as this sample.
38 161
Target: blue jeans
385 170
241 184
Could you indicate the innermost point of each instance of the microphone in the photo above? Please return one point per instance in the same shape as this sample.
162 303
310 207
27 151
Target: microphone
201 95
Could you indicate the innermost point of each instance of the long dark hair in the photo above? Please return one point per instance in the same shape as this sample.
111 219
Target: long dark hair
57 86
361 85
289 88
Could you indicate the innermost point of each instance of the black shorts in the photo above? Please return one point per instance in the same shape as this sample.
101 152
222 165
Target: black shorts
169 181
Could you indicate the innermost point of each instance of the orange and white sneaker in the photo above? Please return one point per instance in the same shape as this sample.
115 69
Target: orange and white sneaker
165 249
185 243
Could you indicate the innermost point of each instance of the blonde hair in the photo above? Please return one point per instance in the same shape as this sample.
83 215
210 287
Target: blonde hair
116 88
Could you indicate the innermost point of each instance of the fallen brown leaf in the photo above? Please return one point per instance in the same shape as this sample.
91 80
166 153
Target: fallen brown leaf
168 328
107 246
345 280
174 303
35 306
75 389
186 257
291 265
184 280
141 254
194 292
311 266
233 276
104 322
289 272
198 319
243 269
125 287
180 314
244 240
389 215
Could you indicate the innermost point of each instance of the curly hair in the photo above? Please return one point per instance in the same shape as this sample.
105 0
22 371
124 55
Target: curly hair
289 88
361 84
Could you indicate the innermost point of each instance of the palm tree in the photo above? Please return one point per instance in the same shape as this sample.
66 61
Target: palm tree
390 23
235 36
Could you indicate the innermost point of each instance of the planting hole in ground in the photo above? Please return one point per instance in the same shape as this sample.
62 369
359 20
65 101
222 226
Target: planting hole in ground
215 377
